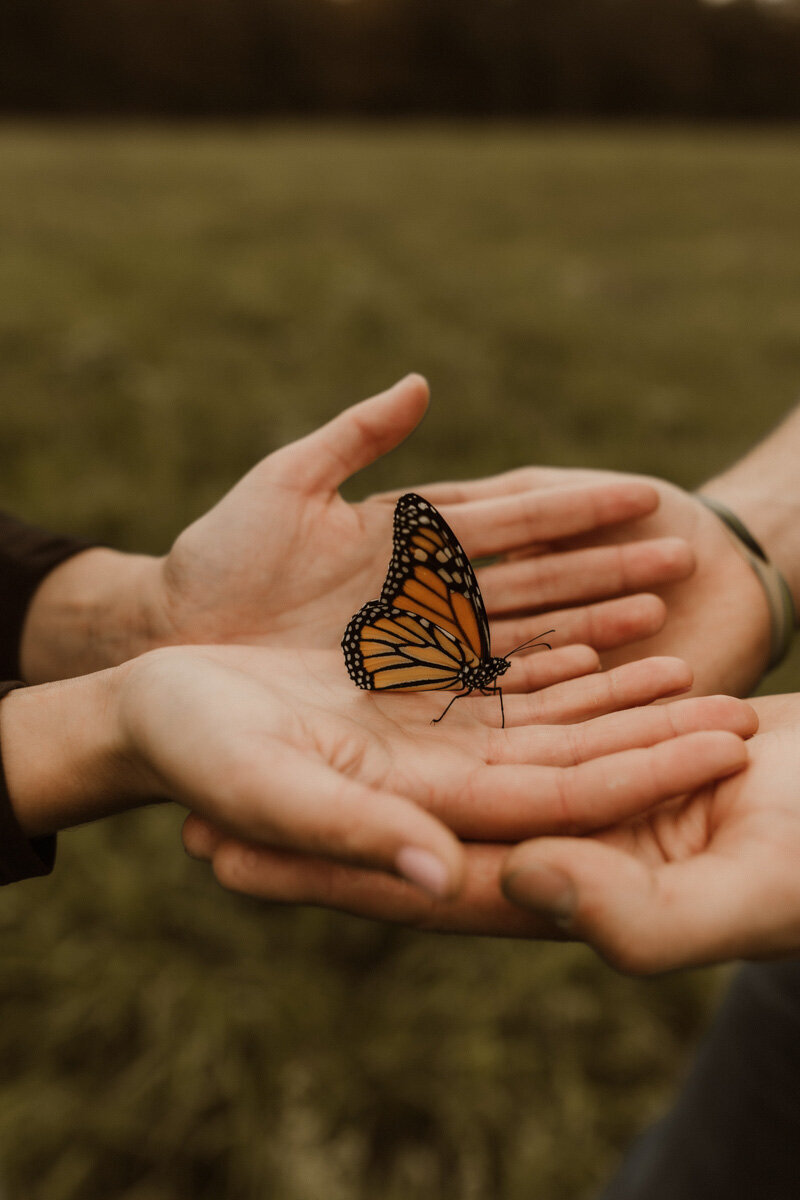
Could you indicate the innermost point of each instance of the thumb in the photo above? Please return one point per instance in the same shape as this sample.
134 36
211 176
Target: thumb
643 919
357 437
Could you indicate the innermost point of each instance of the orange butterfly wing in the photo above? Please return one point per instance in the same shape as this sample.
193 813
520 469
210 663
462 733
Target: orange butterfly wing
429 628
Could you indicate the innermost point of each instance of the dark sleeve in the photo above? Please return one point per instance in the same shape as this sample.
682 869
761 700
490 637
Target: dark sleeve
27 554
20 857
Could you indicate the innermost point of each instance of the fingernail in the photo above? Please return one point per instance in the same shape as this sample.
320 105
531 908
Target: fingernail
546 889
423 869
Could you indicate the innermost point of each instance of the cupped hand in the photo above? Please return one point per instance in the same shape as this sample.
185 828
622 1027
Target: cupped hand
283 559
477 778
717 616
710 877
539 774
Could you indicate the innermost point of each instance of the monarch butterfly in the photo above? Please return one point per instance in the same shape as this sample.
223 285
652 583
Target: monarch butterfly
429 630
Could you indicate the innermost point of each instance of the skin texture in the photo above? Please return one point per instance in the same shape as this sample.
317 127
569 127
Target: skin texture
583 544
710 877
717 616
284 560
277 747
489 785
707 875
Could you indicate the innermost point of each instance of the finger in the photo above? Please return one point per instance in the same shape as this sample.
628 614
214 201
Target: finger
285 878
540 669
605 626
508 803
357 437
644 919
574 576
628 686
568 745
200 838
499 524
521 479
304 805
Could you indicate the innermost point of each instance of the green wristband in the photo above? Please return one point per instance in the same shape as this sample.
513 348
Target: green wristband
782 616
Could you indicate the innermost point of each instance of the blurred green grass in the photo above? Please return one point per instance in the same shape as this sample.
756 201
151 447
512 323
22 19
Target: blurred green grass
175 303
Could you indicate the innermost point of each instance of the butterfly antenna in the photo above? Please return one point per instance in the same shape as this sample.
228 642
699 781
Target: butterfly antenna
532 641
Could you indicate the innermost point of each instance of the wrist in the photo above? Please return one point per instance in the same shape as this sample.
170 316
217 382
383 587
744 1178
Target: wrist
769 506
65 755
720 622
91 612
775 589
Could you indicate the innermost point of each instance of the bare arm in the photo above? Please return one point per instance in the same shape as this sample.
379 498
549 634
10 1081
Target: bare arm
93 611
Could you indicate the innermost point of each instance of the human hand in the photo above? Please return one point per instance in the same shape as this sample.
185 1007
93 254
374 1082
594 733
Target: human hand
617 762
710 877
284 559
279 747
717 615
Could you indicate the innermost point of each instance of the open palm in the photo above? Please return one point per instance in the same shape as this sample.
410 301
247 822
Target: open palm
712 876
572 753
284 558
717 616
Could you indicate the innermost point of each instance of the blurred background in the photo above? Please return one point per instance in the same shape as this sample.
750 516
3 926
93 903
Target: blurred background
220 224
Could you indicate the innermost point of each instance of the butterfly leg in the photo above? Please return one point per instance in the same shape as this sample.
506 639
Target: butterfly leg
458 696
496 691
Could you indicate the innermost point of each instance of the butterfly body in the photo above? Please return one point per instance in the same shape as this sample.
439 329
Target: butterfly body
429 630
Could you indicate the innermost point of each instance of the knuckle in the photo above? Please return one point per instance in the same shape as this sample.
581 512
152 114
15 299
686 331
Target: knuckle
544 576
563 799
366 432
617 694
591 625
622 568
575 747
534 511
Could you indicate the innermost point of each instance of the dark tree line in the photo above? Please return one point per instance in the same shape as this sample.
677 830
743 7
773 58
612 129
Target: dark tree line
682 58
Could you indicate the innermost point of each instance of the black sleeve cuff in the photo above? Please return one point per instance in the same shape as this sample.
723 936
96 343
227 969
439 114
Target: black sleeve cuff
27 554
20 857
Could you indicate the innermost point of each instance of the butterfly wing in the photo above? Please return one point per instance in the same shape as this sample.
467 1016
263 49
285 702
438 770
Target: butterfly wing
430 575
429 626
387 649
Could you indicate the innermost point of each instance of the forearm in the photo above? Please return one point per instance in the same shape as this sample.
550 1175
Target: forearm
89 613
763 489
64 756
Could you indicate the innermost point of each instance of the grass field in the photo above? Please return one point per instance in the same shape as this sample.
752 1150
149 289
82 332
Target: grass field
175 303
